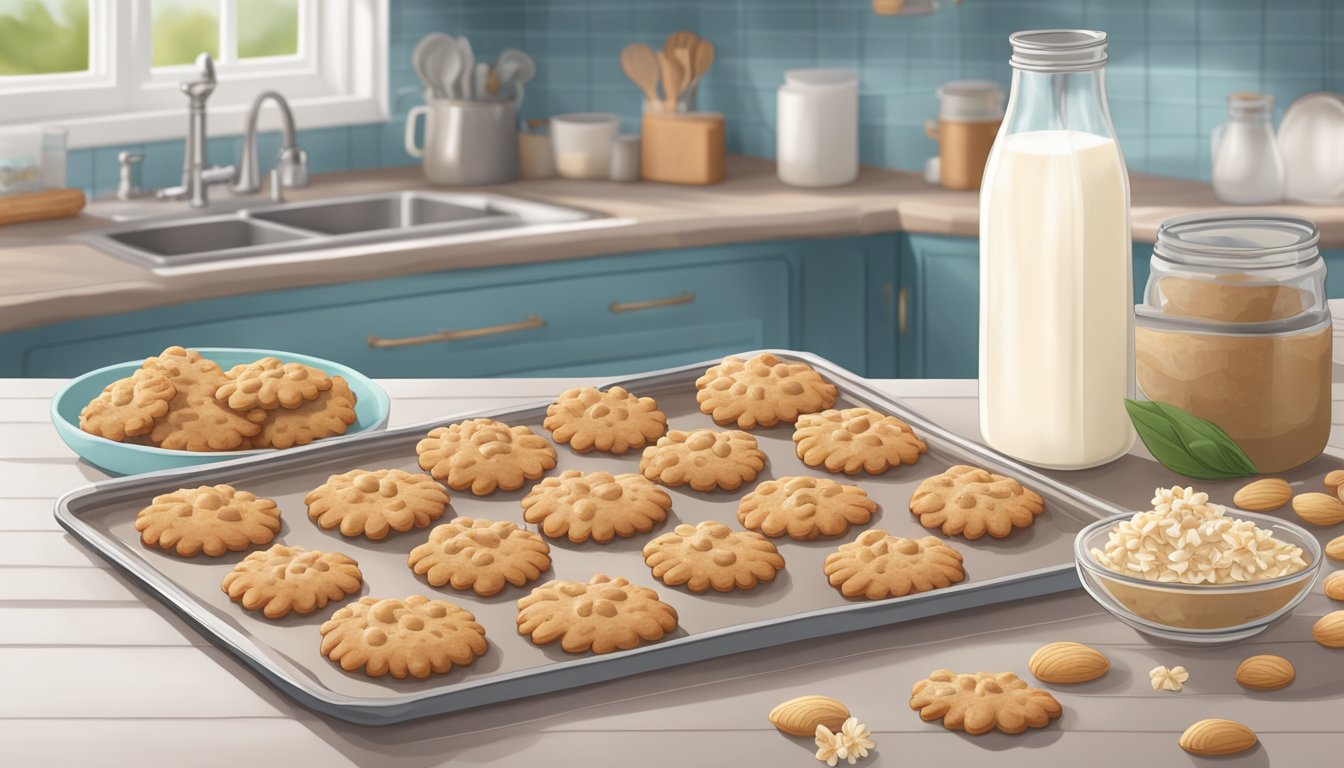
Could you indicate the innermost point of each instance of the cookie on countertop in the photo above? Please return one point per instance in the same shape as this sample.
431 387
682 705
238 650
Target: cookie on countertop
613 421
704 459
373 503
485 454
978 703
971 502
805 507
481 555
761 391
601 616
283 579
597 505
854 440
269 383
414 637
212 518
128 407
327 415
712 555
878 565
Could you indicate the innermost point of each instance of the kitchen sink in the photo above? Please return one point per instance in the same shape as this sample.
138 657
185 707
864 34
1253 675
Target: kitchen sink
268 230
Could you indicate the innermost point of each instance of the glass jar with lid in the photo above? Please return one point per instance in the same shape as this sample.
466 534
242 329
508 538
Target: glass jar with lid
1234 328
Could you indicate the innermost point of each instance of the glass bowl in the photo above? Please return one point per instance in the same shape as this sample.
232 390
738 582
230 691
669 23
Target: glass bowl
1197 613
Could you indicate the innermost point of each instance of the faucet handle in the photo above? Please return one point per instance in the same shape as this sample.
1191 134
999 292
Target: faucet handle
128 185
293 167
204 84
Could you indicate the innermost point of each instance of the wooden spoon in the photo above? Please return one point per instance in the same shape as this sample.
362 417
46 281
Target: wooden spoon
672 81
641 65
704 59
682 39
683 57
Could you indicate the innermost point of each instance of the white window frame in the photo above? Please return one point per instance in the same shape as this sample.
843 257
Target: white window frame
338 77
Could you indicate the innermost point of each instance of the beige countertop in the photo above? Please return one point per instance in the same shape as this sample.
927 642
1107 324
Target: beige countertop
50 275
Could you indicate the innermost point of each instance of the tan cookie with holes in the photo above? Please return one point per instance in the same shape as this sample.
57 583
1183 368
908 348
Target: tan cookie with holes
485 454
268 383
373 503
712 555
327 415
128 407
597 505
703 459
761 391
970 502
480 555
878 565
196 421
978 703
854 440
601 616
414 637
613 421
283 579
214 519
805 507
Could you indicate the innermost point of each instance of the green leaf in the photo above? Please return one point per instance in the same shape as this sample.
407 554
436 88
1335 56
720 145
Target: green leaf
1187 444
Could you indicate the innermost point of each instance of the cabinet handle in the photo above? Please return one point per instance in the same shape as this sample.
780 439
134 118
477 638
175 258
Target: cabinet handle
532 321
635 306
902 308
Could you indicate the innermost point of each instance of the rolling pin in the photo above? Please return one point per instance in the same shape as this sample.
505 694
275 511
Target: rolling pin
36 206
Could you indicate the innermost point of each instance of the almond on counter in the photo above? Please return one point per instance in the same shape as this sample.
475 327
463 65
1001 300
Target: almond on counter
1217 737
1329 630
1264 495
1334 480
801 716
1334 586
1319 508
1335 548
1068 663
1266 673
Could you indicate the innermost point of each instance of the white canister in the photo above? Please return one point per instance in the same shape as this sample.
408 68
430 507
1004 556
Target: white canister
817 133
583 143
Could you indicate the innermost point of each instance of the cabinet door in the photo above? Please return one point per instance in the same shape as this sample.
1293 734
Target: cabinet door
938 307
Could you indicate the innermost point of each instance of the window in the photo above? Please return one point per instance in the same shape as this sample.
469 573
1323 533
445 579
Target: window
109 69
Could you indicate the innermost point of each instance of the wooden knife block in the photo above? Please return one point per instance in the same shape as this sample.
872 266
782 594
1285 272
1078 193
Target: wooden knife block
682 147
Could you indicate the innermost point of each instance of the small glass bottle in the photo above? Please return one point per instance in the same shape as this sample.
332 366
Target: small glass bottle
53 156
1247 165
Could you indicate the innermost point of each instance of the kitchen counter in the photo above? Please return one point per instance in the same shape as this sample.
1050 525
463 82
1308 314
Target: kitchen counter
96 672
50 275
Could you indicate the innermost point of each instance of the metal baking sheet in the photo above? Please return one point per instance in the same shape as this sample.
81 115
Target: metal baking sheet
799 604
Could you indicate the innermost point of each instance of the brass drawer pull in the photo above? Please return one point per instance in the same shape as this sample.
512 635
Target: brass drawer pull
635 306
532 321
902 309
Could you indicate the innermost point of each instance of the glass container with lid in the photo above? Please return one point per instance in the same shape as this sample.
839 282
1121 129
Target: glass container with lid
1234 328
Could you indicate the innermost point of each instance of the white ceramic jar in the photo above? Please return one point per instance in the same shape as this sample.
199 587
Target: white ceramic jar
817 127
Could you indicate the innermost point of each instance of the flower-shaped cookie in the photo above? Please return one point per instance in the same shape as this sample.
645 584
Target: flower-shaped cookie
980 702
703 459
480 555
805 507
283 579
212 518
128 407
878 565
485 454
412 637
763 390
596 505
196 421
613 421
269 383
373 503
970 502
603 615
854 440
327 415
712 555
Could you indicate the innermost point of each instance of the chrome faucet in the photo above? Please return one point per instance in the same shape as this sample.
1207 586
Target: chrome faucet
196 173
292 164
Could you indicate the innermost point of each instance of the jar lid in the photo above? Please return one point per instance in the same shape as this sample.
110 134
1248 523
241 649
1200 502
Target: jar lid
1248 104
1058 50
834 79
970 101
1242 241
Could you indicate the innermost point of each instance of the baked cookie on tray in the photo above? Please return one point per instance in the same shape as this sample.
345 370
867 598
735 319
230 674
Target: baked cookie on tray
269 383
480 555
856 440
214 519
373 503
878 565
711 554
762 391
970 502
601 616
613 421
414 637
595 505
805 507
484 455
704 459
128 407
980 702
327 415
283 579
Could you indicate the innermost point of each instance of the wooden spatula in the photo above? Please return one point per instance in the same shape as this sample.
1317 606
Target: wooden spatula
682 39
640 64
703 60
672 81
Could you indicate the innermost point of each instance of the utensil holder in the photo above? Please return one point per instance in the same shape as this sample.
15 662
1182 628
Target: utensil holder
467 143
682 148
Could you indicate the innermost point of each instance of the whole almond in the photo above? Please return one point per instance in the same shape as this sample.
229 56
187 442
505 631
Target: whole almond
1068 663
801 716
1217 737
1333 480
1335 549
1319 508
1334 586
1266 673
1263 495
1329 630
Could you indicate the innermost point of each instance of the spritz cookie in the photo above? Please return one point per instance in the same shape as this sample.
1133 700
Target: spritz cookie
761 391
703 459
484 455
856 440
595 505
805 507
613 421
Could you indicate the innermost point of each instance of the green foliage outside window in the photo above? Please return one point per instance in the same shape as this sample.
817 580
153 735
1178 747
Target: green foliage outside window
39 37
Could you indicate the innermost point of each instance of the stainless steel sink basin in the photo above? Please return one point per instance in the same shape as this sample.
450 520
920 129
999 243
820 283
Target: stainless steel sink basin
284 228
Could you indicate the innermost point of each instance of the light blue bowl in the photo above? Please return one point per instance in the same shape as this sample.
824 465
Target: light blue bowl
371 410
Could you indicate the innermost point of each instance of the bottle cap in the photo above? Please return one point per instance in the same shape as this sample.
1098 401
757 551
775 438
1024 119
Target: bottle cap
1058 50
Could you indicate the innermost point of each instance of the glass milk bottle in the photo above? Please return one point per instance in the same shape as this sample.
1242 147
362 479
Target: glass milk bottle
1056 295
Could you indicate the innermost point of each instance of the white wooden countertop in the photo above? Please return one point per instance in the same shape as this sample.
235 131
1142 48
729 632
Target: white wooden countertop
93 672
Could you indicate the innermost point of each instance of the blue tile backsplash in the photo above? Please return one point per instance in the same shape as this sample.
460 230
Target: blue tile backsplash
1172 64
